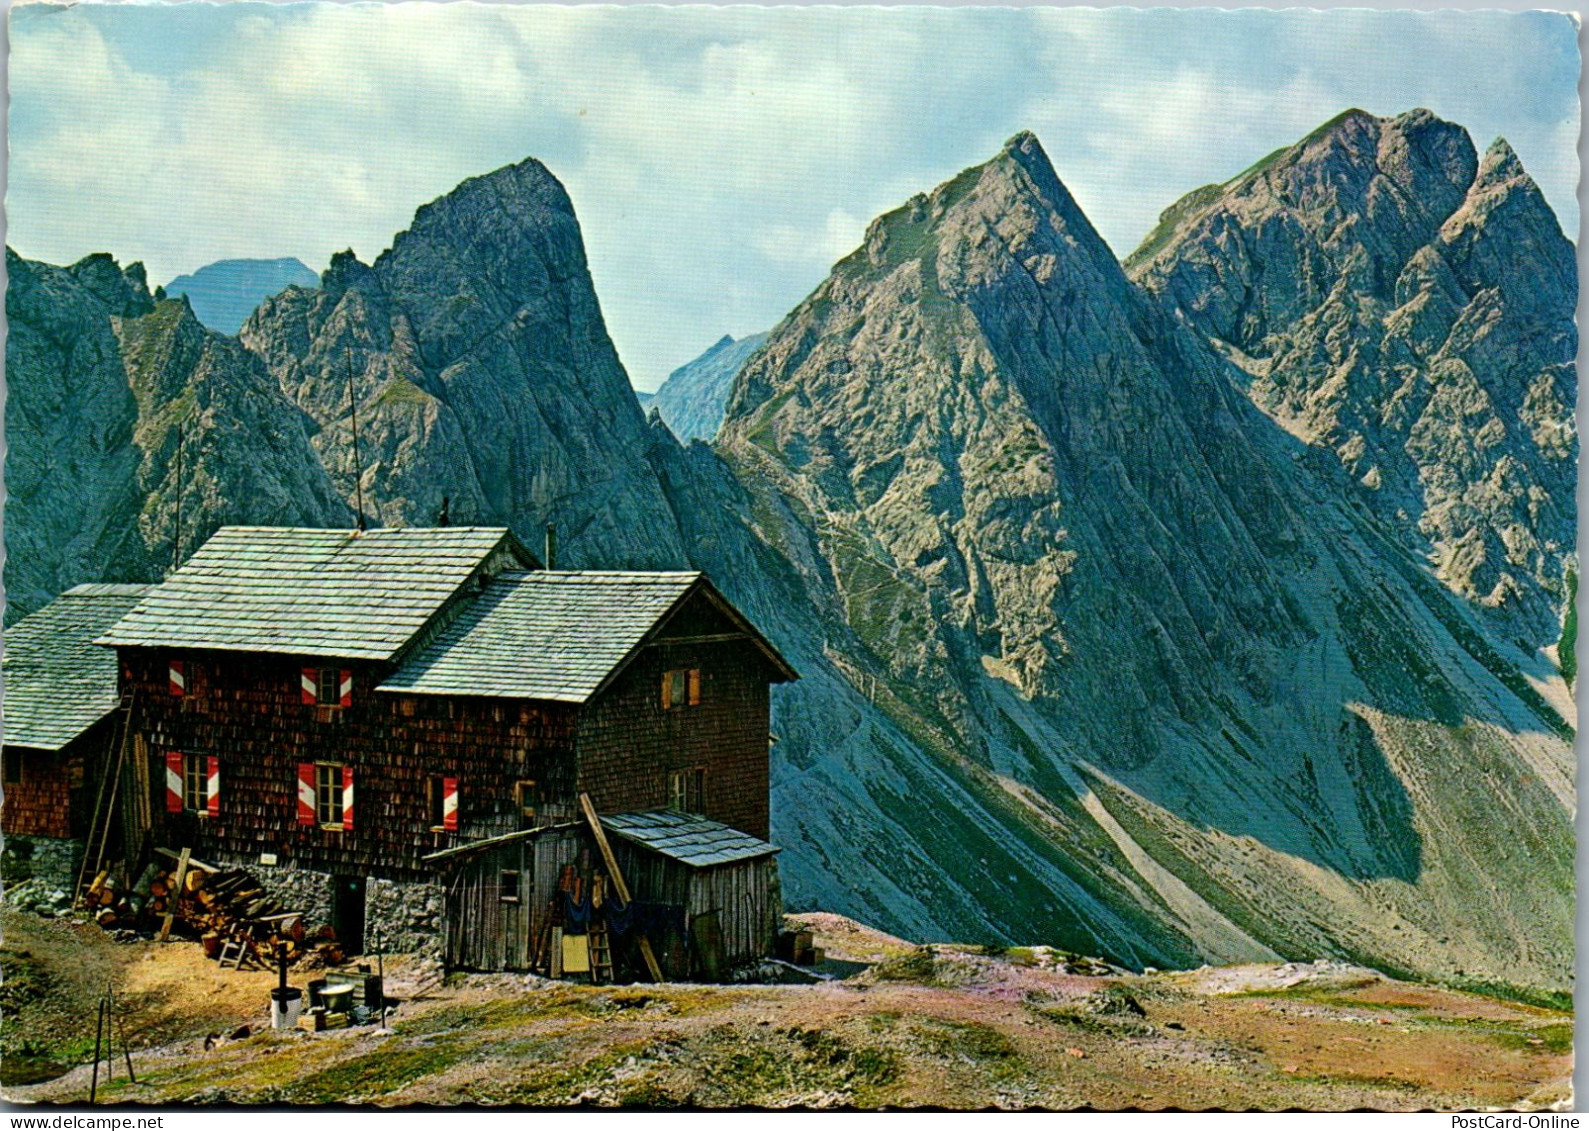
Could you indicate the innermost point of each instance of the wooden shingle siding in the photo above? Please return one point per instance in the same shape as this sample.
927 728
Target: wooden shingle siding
41 804
255 722
628 744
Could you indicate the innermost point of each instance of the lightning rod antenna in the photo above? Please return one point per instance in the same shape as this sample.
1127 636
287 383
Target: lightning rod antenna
358 471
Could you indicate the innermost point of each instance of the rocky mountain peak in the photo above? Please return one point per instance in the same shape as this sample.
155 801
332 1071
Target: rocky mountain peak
1399 301
346 272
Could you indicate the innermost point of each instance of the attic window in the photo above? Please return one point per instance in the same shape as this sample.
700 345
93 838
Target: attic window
681 688
326 687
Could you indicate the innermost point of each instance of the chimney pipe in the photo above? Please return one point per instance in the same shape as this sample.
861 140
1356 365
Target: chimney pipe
551 545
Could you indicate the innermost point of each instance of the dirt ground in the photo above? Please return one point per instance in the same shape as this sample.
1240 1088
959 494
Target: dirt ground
940 1026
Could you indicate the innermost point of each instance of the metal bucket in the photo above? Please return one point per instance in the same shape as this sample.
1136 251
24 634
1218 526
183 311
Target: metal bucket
338 997
285 1005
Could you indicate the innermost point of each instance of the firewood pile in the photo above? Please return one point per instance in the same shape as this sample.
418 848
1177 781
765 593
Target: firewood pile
226 909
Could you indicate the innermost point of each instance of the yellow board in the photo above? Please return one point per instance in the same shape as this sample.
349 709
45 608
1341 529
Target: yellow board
576 954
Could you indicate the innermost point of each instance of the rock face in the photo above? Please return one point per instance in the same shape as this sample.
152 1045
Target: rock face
1083 578
224 293
484 375
694 396
101 379
1394 298
1105 641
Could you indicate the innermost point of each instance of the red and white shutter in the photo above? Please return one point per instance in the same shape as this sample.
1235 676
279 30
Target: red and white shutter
306 793
345 688
306 683
178 679
347 797
449 804
173 781
212 790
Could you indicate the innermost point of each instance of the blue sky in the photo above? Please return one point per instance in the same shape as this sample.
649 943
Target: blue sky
720 159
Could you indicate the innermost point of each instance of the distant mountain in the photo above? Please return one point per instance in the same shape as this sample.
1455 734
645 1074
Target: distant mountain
1192 614
1154 657
102 382
223 294
484 373
1393 298
693 397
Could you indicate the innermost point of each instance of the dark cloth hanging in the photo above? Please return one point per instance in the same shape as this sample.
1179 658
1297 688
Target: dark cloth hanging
619 916
576 913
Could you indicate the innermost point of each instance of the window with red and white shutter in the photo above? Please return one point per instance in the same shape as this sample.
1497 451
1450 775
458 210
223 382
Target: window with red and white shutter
174 781
212 800
306 793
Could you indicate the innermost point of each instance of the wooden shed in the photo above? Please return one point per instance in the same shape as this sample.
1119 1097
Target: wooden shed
706 896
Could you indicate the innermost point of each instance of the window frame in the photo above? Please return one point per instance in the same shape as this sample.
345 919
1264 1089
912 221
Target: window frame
327 693
196 783
687 785
332 793
502 886
681 687
526 799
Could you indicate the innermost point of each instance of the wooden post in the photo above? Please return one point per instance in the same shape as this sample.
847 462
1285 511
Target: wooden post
176 894
99 1025
617 880
126 1053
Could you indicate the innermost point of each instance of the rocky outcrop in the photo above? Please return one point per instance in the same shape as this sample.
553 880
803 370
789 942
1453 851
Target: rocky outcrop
102 381
484 376
694 396
1105 642
225 293
1394 298
1080 576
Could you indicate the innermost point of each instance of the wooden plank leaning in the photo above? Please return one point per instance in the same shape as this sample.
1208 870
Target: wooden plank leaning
617 880
176 893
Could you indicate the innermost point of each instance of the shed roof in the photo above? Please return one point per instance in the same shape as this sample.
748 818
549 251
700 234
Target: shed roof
554 635
687 838
342 593
691 840
56 683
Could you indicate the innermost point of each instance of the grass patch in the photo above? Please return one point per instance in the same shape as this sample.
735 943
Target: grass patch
1555 1039
376 1073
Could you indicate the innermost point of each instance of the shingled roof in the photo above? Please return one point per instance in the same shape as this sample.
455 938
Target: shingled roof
555 635
57 684
334 593
689 839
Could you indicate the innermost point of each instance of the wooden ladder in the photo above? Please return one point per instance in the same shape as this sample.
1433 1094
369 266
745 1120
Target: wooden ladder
600 954
105 807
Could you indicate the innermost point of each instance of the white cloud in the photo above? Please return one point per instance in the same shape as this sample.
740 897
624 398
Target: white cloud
720 158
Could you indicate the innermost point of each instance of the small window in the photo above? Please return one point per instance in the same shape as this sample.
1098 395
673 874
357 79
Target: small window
328 687
195 782
435 801
328 794
508 887
681 688
687 790
524 799
441 803
13 766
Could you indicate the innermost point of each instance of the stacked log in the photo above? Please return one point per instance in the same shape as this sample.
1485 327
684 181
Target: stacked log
217 907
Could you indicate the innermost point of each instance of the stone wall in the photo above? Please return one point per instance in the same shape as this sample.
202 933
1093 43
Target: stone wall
53 861
296 889
408 917
405 917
